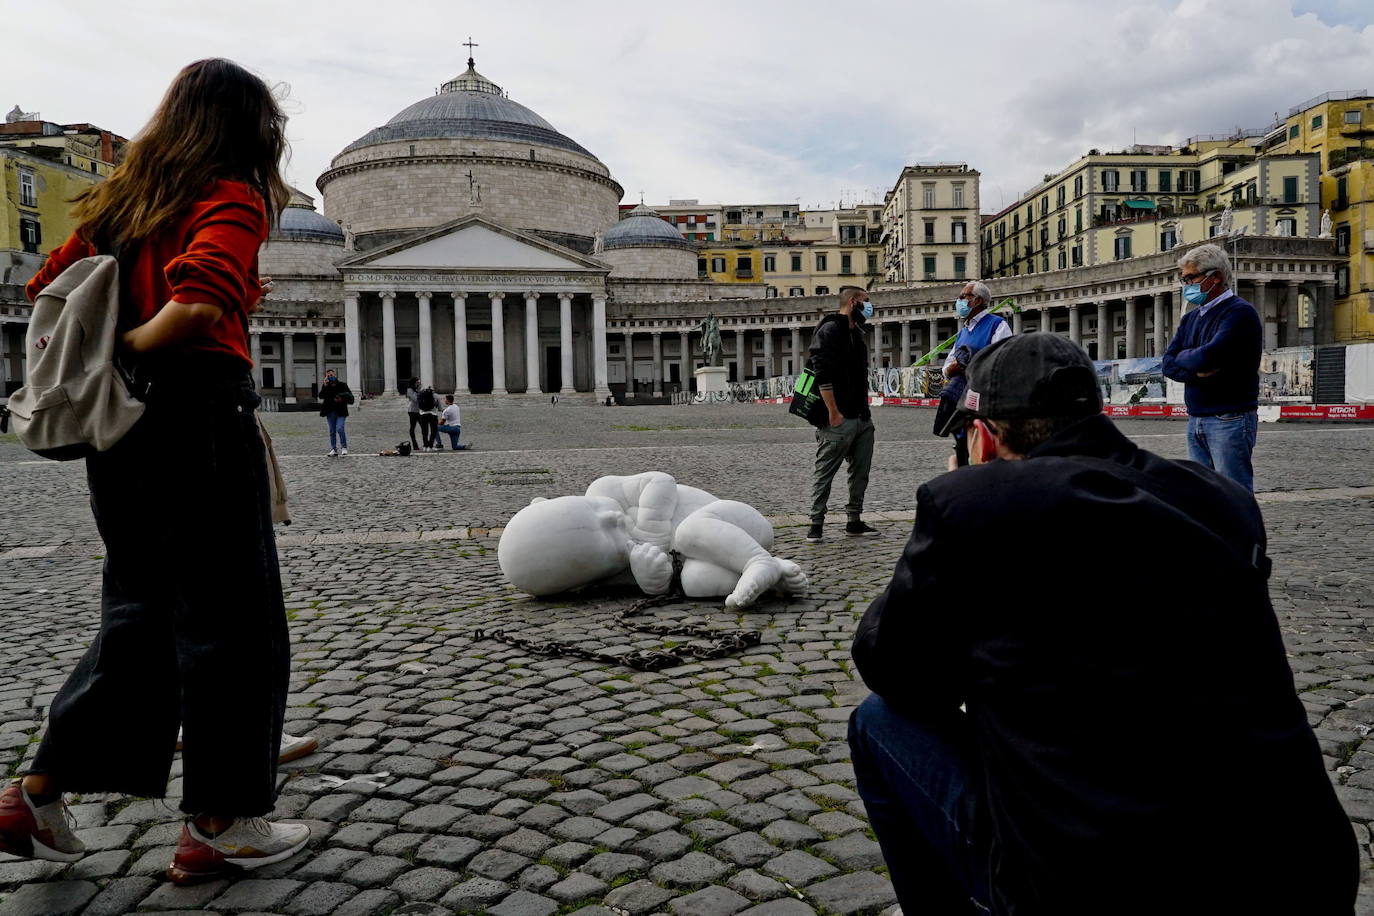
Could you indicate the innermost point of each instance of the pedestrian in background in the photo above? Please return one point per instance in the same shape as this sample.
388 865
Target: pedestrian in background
1215 353
335 396
452 424
193 626
413 410
979 328
428 403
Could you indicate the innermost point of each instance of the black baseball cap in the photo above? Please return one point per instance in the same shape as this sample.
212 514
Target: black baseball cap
1028 375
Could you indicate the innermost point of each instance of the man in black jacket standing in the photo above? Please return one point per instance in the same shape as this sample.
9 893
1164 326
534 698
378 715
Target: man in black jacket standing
1087 743
839 358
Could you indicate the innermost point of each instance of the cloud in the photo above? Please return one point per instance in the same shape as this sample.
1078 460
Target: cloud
767 102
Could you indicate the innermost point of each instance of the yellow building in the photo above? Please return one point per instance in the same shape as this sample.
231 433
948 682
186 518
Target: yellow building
1338 128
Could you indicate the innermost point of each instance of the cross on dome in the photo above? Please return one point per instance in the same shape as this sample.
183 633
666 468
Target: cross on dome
470 44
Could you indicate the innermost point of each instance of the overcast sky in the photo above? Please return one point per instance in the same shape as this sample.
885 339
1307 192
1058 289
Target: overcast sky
765 102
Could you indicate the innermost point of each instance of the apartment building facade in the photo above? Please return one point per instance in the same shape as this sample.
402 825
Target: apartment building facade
930 225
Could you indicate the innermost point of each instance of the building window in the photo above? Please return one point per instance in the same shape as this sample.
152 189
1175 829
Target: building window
1078 187
1352 117
1343 238
1166 181
930 232
822 291
1343 278
820 263
1342 201
770 263
1078 256
1123 247
960 266
718 265
959 189
1188 180
796 263
873 263
1167 239
795 291
30 234
1110 179
1290 189
928 267
1044 207
1062 227
701 265
28 194
744 267
1316 122
1063 259
732 216
1293 132
846 264
1138 181
1289 223
928 196
772 292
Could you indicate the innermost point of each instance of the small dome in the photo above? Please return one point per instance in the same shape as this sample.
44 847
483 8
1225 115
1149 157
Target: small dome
643 227
300 220
469 106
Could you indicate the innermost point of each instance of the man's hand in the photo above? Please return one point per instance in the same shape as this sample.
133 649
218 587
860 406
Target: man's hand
836 418
952 463
1208 374
265 284
953 369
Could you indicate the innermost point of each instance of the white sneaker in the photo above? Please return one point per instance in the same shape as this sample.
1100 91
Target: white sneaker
249 843
293 747
332 454
343 451
37 831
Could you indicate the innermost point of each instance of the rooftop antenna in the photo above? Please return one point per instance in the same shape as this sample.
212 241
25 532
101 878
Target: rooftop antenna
470 44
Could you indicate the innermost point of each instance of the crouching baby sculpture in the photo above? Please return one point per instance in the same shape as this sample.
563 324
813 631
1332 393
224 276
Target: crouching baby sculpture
622 531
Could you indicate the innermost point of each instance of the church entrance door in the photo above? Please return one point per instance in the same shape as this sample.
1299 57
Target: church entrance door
403 369
479 367
553 367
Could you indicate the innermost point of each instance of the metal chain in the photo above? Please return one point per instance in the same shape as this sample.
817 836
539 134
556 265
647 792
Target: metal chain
721 642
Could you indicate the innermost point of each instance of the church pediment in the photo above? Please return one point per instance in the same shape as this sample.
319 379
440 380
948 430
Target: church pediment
474 243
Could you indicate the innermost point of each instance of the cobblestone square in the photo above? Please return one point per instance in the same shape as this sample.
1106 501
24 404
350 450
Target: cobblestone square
460 775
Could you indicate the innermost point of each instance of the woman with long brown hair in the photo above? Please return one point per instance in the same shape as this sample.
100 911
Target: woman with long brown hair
193 628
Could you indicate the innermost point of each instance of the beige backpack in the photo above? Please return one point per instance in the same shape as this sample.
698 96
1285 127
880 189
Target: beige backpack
77 400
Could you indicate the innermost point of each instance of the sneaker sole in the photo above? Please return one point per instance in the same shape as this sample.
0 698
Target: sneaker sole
26 846
815 540
308 747
181 877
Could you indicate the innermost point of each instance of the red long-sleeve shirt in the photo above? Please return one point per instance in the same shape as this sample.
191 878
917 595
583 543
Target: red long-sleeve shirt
209 255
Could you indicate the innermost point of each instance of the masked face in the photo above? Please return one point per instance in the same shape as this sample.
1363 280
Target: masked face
962 307
1195 293
867 309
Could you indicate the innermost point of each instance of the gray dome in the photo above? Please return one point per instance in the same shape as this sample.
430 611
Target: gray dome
307 224
469 107
643 227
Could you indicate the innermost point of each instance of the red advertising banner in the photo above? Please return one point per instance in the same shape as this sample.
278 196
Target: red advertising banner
1178 411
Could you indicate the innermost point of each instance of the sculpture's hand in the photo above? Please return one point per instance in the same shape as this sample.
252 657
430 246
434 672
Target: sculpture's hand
652 569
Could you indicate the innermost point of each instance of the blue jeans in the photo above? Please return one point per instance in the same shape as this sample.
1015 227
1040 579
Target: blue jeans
453 433
914 778
1225 443
337 437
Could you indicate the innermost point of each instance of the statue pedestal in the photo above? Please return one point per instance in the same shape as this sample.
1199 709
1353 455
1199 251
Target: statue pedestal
712 378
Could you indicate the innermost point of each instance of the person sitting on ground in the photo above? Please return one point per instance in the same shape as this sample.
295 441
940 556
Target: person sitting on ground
452 424
1093 742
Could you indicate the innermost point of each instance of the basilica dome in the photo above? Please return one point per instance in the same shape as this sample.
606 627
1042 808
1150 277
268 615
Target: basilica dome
644 226
644 246
469 148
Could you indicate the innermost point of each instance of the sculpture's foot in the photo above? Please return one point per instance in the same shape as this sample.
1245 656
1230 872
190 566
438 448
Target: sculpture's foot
793 580
758 577
652 569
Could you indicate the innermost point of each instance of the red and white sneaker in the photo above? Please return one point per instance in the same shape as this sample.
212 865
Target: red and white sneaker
37 831
251 842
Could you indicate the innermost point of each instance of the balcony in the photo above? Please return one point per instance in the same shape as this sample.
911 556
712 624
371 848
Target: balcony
745 273
1340 157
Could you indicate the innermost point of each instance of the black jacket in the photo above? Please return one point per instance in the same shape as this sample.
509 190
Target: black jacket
1104 613
333 400
839 357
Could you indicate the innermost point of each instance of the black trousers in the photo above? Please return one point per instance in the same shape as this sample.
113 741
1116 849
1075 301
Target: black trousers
429 429
193 629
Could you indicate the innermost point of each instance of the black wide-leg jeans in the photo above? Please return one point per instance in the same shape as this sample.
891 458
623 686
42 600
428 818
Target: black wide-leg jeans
193 628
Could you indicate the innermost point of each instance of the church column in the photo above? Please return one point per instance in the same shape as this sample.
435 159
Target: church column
1016 326
768 370
1132 326
532 385
460 342
1046 317
798 361
288 366
565 351
353 348
426 339
684 360
254 348
1158 335
1104 332
1075 324
1324 321
906 342
934 325
388 344
319 359
498 343
602 387
658 362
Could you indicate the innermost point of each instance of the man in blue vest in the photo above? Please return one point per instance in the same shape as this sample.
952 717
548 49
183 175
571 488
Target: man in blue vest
1215 353
979 329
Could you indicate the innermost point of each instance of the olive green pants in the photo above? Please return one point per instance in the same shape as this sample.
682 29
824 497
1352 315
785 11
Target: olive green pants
852 440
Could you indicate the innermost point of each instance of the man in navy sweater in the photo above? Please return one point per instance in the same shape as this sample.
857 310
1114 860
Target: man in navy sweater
1215 354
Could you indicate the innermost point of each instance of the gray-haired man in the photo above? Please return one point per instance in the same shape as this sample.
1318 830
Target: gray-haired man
980 328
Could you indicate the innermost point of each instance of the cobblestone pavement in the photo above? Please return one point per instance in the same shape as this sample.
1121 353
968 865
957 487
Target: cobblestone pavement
528 786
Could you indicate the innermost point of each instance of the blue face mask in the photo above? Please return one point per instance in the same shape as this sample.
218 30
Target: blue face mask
868 310
1194 294
962 308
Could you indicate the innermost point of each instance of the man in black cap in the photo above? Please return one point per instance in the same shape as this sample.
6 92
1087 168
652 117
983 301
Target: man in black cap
1049 734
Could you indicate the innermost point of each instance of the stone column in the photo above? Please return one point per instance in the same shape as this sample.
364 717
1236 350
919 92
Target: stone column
426 339
798 361
684 359
288 366
769 369
388 344
933 325
601 386
460 342
1160 321
1075 324
1132 326
1046 317
657 337
1016 325
254 348
1324 321
1104 333
532 385
1294 323
565 352
906 343
498 343
353 346
319 359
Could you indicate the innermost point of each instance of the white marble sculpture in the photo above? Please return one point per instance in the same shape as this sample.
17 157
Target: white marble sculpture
1326 225
622 530
1228 216
598 243
1282 229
